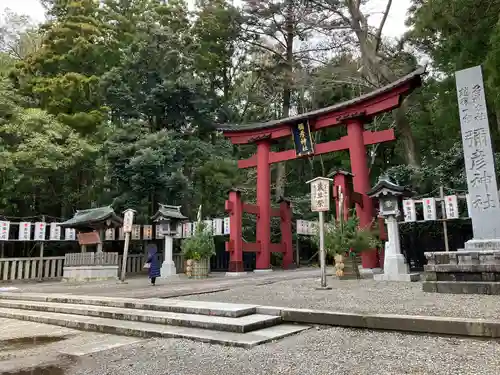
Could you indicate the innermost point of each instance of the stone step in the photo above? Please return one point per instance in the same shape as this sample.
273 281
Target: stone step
241 324
229 310
149 330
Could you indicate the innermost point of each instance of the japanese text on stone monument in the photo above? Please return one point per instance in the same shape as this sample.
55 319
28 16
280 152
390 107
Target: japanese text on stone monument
478 154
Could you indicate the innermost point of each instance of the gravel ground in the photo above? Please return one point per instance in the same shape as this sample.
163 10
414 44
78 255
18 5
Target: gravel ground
318 351
364 296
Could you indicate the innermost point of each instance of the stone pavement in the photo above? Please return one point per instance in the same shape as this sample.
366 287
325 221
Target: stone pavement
139 287
25 346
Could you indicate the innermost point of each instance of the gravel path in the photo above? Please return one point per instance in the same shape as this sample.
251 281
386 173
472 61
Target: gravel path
332 351
364 296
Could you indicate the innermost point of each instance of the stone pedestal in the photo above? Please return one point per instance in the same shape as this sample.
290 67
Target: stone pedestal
168 269
89 273
395 267
464 271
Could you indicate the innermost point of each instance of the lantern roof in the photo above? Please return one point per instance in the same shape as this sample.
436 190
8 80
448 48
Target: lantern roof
166 211
385 187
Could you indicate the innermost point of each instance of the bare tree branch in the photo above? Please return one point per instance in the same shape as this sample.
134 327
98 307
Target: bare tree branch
378 36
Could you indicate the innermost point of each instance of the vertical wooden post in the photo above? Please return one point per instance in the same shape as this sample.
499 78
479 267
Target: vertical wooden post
445 224
40 263
264 203
286 233
234 206
361 182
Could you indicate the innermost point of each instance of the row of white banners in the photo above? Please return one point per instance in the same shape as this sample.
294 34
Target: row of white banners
429 208
219 227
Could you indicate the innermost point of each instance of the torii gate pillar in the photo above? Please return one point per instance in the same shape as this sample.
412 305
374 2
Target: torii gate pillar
263 232
361 183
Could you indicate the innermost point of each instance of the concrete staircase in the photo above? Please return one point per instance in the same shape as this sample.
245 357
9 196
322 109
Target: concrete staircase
212 322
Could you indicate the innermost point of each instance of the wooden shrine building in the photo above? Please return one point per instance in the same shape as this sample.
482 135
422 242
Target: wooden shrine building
353 114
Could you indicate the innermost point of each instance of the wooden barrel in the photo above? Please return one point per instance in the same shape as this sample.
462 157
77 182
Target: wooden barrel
200 269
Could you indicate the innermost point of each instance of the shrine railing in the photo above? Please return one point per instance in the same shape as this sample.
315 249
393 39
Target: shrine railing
26 269
13 269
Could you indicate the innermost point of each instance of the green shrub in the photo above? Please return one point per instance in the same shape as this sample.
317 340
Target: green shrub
199 246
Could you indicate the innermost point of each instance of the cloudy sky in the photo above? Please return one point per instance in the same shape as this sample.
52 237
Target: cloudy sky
394 26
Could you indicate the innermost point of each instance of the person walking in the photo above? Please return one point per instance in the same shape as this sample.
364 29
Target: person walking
153 264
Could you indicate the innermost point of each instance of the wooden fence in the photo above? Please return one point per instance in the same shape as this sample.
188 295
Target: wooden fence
25 269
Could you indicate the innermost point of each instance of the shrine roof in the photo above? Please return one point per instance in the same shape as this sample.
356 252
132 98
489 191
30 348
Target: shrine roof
93 218
385 187
169 212
413 77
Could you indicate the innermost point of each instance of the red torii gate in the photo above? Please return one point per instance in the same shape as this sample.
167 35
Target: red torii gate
354 114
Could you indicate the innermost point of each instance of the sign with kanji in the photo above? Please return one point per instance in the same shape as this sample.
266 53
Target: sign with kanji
451 206
128 219
320 194
158 232
429 205
301 134
24 231
55 232
478 154
227 227
187 230
4 230
109 235
136 232
178 230
301 227
147 232
69 234
40 229
409 211
217 227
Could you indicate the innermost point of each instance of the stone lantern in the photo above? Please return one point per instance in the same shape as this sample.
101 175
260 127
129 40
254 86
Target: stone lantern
169 218
389 196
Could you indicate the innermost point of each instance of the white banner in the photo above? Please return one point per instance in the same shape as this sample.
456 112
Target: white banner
409 211
301 227
109 235
451 205
136 232
208 226
187 230
158 232
24 231
4 230
55 232
147 232
178 231
429 205
217 225
227 226
40 229
70 234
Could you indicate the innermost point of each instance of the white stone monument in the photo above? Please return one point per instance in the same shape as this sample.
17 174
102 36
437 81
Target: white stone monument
479 161
395 266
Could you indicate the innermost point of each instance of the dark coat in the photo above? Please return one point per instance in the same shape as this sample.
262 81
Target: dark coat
154 270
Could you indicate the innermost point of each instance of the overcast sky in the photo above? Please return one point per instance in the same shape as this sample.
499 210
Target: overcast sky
394 25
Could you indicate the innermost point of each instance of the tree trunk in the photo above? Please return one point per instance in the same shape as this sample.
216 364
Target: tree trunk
409 143
287 93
